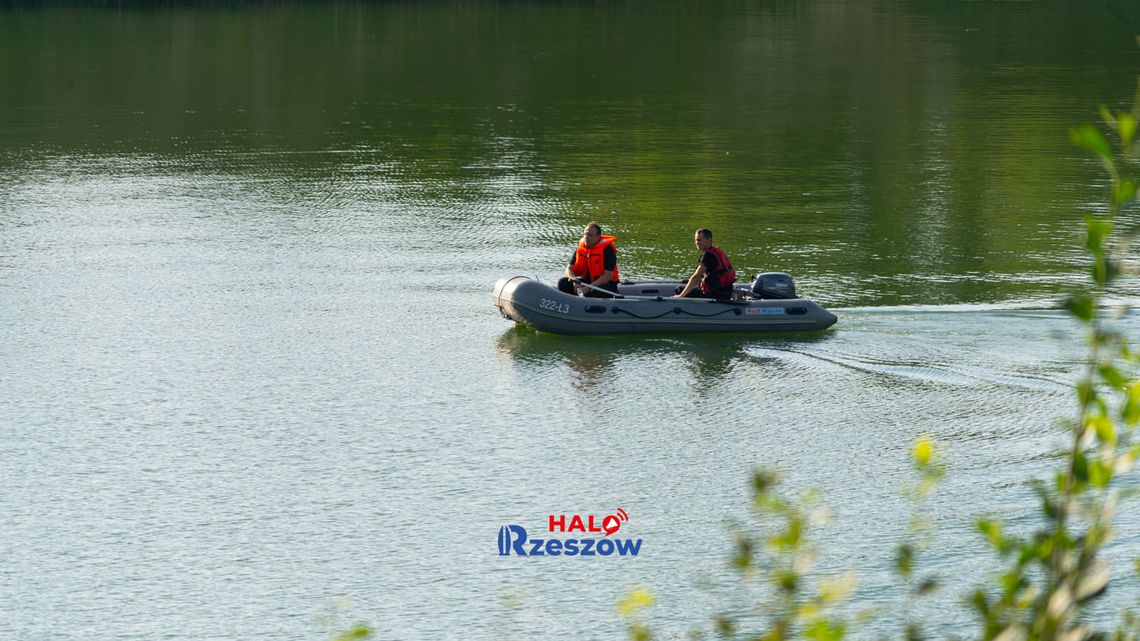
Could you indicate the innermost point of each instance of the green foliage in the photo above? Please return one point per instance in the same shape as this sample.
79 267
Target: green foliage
1053 575
930 469
629 607
780 554
1045 579
355 632
1090 138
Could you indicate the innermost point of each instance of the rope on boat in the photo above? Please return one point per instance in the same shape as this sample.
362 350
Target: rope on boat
675 310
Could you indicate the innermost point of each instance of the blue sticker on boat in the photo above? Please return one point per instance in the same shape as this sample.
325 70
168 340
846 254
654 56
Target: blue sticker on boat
765 310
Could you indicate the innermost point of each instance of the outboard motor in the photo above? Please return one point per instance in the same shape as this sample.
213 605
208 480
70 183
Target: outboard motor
773 285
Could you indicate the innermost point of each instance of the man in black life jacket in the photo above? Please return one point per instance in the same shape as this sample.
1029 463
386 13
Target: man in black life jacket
714 275
594 262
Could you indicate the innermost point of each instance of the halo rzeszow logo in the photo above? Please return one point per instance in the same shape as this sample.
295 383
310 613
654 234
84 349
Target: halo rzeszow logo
514 540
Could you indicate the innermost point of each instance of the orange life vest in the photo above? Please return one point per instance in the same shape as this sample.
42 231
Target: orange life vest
723 275
589 262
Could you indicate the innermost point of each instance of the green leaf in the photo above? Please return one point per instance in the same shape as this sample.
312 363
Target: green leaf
786 580
1048 506
1104 271
1012 582
1126 125
1027 554
1060 481
1113 376
1096 231
904 559
744 549
1124 192
1090 138
982 605
357 632
928 586
1130 412
1099 473
792 537
1103 427
763 481
724 626
1080 467
1106 116
824 630
1086 393
991 529
1080 305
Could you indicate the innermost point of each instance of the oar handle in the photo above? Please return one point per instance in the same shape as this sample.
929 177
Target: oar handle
611 293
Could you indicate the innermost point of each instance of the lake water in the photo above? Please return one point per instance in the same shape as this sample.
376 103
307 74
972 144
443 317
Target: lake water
253 379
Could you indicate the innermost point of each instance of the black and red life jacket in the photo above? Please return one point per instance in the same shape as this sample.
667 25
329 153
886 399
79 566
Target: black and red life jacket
724 276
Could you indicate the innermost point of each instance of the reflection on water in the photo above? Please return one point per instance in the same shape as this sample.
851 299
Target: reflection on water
591 360
590 365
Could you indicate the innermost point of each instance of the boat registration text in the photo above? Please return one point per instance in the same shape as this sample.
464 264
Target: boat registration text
554 306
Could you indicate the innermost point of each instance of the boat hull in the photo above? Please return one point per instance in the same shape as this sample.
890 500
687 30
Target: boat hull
648 307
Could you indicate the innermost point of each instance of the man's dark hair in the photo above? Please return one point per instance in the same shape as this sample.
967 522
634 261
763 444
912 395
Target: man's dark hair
596 226
705 232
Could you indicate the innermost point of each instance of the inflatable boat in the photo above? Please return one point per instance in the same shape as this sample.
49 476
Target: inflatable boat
770 304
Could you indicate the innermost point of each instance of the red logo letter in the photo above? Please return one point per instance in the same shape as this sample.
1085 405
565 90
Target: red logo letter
560 524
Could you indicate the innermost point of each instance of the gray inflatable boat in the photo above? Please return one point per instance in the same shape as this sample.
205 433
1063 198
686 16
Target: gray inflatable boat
769 305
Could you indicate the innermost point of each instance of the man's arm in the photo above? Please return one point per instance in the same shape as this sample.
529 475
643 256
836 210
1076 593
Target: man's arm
694 280
570 272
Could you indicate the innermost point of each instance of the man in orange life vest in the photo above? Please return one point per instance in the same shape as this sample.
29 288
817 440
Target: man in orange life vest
714 275
593 263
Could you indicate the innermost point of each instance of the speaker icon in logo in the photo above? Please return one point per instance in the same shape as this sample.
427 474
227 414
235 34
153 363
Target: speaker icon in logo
612 523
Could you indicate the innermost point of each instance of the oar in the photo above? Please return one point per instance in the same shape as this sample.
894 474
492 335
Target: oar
612 294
